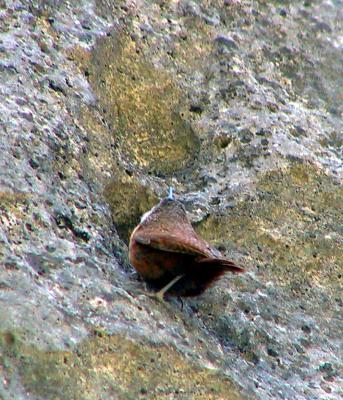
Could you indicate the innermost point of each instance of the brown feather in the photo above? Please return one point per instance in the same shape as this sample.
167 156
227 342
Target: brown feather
164 245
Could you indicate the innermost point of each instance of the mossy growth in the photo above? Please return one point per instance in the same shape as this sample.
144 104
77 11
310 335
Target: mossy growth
128 200
292 229
142 105
8 344
9 200
112 367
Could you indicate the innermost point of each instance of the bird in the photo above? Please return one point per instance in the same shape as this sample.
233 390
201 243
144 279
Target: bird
170 256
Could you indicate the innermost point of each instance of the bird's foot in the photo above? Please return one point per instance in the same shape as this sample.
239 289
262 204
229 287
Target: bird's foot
153 295
159 296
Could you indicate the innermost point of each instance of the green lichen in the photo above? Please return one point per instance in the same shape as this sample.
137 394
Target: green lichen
128 200
143 106
113 367
292 230
9 200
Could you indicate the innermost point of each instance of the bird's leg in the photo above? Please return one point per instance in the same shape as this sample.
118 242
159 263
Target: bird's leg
160 294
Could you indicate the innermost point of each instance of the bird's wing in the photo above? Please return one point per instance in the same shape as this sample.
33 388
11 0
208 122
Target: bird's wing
172 243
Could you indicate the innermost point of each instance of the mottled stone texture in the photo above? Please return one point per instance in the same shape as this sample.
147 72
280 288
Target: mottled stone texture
237 105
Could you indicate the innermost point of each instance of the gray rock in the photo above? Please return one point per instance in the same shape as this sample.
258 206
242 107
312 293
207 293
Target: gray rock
104 105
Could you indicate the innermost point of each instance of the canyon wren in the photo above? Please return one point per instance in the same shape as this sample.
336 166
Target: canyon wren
170 256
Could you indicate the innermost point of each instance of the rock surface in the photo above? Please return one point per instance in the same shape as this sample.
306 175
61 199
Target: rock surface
238 105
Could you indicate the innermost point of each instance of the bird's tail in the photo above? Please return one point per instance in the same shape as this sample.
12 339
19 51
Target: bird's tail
227 265
204 273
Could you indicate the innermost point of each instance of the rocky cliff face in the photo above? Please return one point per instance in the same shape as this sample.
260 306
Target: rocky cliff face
238 105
